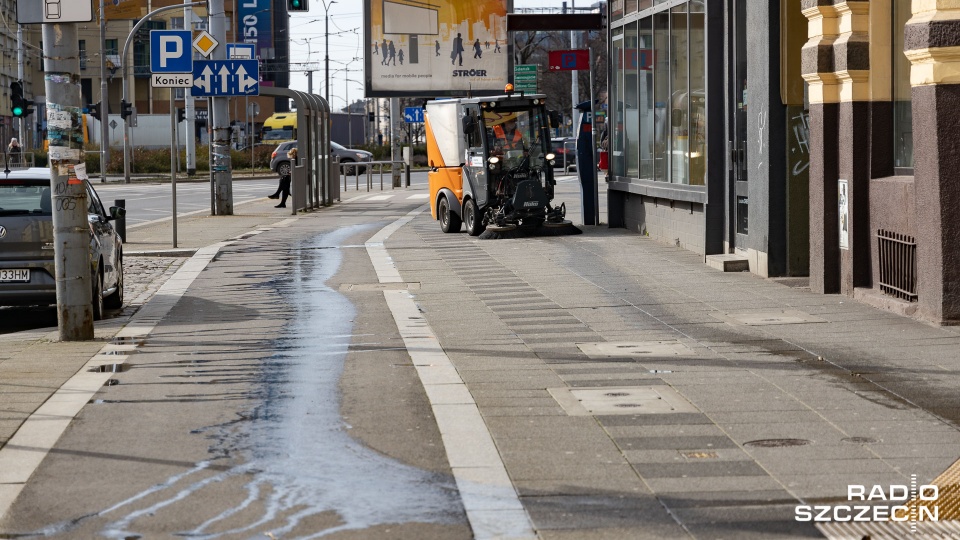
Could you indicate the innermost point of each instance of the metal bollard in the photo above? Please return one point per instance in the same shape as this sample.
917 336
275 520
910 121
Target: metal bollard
121 224
406 167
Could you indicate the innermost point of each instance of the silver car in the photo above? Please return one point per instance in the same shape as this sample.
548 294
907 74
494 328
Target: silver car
26 244
280 163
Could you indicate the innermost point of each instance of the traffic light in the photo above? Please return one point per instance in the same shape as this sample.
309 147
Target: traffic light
181 115
20 105
94 109
126 109
298 5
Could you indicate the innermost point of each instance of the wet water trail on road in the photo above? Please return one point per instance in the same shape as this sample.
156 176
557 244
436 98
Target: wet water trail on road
297 460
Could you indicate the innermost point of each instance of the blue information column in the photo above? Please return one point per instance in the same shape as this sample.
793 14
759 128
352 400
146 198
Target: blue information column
587 166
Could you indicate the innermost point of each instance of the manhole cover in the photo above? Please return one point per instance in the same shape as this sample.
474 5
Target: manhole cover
777 443
634 349
860 440
764 318
621 400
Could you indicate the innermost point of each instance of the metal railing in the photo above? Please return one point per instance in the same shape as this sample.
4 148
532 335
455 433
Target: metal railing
23 160
368 172
898 264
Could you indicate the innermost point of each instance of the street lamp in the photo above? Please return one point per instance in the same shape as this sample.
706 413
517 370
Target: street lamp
326 49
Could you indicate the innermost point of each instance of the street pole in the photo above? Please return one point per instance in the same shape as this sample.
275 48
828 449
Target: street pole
190 122
21 127
71 231
575 84
220 145
126 83
104 100
346 93
326 50
394 140
173 165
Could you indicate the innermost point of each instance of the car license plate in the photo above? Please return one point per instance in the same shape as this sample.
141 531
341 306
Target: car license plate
15 274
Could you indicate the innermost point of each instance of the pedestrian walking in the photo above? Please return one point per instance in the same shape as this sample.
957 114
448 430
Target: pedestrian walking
14 151
285 180
487 43
457 50
477 51
497 43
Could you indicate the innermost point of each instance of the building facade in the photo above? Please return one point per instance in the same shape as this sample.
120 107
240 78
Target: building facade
884 81
708 147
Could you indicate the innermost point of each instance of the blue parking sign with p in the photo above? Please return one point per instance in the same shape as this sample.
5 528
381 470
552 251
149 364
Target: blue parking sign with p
171 51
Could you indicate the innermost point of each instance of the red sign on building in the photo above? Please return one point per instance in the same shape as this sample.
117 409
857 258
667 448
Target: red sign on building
573 60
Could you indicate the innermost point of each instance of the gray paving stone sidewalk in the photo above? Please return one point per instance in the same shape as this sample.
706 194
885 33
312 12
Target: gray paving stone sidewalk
774 396
796 395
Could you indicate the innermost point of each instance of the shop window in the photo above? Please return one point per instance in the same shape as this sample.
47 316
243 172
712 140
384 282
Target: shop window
617 93
698 94
902 101
643 128
661 94
632 101
679 98
658 89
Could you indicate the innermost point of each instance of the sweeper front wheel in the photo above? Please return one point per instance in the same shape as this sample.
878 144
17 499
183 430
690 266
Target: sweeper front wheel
449 220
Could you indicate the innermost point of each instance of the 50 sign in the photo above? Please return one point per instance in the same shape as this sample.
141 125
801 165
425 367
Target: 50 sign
254 22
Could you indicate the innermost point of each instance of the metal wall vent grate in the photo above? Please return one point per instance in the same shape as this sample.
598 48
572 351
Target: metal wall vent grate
898 264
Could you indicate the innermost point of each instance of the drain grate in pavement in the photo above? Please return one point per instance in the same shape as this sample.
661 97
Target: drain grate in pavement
777 443
635 349
621 400
699 454
860 440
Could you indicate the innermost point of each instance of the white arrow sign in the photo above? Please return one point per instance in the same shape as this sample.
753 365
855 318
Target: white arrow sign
224 79
243 81
204 81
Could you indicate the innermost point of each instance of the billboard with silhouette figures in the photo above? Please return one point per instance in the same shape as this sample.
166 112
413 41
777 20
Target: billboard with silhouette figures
429 48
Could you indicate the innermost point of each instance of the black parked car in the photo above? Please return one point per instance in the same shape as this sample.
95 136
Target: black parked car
26 244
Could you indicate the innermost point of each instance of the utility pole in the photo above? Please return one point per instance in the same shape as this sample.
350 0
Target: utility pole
220 145
104 100
326 50
394 140
21 127
71 231
575 84
190 124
